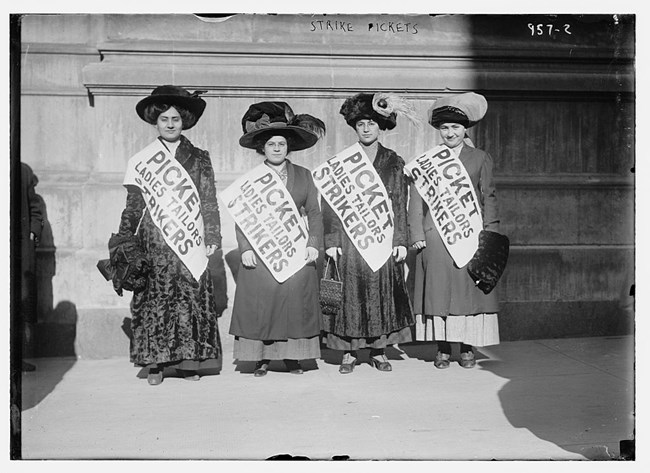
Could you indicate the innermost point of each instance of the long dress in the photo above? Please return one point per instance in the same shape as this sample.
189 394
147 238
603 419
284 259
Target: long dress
174 319
448 305
376 310
272 320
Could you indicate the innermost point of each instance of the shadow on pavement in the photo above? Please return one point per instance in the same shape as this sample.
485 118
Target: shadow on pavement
563 412
38 384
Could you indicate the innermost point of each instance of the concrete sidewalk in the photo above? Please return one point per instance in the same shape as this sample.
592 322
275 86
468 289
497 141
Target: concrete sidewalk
560 399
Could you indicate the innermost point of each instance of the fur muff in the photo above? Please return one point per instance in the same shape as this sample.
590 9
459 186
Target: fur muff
488 263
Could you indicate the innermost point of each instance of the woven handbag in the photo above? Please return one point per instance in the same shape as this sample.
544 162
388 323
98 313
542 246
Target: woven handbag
331 290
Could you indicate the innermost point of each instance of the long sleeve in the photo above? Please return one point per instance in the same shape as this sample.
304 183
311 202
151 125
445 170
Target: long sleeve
242 241
399 200
332 228
132 211
314 215
489 195
415 216
209 203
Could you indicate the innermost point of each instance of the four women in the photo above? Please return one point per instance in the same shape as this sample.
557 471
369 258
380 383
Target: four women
174 319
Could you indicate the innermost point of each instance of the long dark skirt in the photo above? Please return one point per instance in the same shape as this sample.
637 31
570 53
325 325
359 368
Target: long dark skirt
174 320
267 310
376 308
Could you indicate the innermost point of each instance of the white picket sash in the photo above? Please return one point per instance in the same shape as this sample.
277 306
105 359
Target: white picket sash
445 186
172 201
262 207
354 190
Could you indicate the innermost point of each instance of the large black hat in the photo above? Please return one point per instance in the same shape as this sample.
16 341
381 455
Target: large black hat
266 119
467 109
173 95
360 107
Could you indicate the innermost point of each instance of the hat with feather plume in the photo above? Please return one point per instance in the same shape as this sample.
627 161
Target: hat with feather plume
266 119
383 108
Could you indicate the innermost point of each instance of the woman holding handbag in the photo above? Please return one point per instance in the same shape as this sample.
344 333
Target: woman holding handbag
172 207
450 306
375 308
274 320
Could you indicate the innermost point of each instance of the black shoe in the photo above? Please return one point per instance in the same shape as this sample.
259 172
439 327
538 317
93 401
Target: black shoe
293 366
28 367
347 365
442 360
382 365
261 367
155 377
467 360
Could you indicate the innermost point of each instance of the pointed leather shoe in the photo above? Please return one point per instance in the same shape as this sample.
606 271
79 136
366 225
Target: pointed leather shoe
441 361
467 360
261 367
347 365
381 365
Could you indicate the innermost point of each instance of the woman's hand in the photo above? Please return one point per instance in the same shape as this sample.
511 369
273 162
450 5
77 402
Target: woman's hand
311 254
399 252
248 259
210 249
333 253
418 245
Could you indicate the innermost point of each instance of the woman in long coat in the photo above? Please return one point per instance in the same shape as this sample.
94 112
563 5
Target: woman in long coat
273 320
174 319
376 310
449 307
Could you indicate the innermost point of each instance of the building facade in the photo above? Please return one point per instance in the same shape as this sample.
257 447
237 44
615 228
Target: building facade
560 126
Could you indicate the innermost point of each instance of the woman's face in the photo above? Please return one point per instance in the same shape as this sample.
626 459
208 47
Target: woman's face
367 131
452 134
276 149
170 125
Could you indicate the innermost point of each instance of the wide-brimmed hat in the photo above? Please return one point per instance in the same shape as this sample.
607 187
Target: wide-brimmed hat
467 109
266 119
174 95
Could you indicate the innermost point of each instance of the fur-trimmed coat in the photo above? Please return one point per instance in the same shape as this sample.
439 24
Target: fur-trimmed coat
374 303
175 317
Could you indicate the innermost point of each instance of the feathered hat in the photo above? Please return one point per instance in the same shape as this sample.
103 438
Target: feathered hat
383 108
266 119
467 109
173 95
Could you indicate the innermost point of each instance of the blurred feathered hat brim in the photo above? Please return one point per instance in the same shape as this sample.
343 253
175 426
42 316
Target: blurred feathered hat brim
467 109
299 137
173 95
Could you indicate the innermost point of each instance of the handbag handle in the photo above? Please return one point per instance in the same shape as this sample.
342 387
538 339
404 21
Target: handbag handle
137 229
338 276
